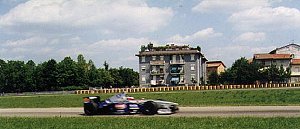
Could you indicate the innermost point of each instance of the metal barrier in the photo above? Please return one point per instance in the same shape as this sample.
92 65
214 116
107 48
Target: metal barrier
182 88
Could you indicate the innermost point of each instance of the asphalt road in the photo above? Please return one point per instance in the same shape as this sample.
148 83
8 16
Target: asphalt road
225 111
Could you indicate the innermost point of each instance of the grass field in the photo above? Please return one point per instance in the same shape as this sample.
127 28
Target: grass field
150 123
184 98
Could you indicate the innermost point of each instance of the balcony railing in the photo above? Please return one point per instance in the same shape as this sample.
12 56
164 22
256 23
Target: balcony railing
157 72
157 62
177 62
158 82
176 72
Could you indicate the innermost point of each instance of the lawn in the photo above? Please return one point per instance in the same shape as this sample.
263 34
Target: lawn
149 123
184 98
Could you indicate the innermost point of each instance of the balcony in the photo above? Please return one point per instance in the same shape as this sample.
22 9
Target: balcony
158 82
153 72
177 70
157 62
177 62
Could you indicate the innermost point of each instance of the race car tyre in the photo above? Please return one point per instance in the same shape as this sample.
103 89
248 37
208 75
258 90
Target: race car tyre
92 107
174 108
149 108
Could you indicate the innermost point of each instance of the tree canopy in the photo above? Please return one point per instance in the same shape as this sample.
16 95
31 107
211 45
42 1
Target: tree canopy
243 72
18 76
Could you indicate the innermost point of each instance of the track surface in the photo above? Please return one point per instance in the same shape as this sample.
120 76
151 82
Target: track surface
231 111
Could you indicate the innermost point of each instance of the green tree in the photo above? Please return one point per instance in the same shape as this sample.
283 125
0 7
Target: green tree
106 65
117 79
30 80
213 78
105 80
68 74
273 74
93 75
129 77
82 69
241 72
14 76
2 75
47 76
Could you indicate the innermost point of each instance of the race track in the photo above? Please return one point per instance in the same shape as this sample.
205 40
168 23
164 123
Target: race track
225 111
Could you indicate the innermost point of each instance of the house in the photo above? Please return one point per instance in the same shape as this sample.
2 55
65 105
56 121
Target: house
293 49
171 65
295 71
273 59
215 66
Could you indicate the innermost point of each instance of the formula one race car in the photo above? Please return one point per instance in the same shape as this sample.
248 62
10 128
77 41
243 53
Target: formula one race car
121 104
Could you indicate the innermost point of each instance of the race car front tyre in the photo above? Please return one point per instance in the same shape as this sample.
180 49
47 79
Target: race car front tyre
174 108
149 108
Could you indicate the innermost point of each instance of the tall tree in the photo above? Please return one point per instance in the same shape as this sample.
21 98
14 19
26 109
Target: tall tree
47 76
15 77
2 75
30 80
105 80
117 79
106 65
68 73
82 71
93 75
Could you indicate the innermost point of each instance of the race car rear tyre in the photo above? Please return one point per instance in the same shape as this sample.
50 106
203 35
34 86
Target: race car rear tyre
149 108
90 108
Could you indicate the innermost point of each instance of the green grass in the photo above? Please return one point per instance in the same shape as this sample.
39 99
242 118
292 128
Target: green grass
184 98
149 123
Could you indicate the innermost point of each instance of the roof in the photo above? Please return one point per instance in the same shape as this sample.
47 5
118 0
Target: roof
272 56
295 62
178 52
292 44
214 64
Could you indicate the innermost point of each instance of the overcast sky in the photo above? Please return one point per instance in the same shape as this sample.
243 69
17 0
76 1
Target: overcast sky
113 30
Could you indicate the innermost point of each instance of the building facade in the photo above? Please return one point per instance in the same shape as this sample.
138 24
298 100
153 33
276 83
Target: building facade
295 70
292 49
215 66
273 59
171 65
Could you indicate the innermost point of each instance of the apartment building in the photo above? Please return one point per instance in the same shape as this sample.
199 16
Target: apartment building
171 65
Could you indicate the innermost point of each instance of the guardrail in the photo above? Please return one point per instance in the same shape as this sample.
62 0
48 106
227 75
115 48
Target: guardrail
182 88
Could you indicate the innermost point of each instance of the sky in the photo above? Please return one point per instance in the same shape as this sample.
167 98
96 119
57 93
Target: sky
114 30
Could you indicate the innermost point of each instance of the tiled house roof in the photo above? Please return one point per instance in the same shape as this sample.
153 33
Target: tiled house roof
214 64
272 56
295 62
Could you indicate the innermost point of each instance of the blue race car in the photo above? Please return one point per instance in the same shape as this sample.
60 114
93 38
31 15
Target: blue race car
121 104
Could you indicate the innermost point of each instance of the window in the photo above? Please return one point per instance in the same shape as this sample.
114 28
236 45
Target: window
297 69
143 59
143 68
143 78
193 76
174 58
192 67
192 56
161 57
153 57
